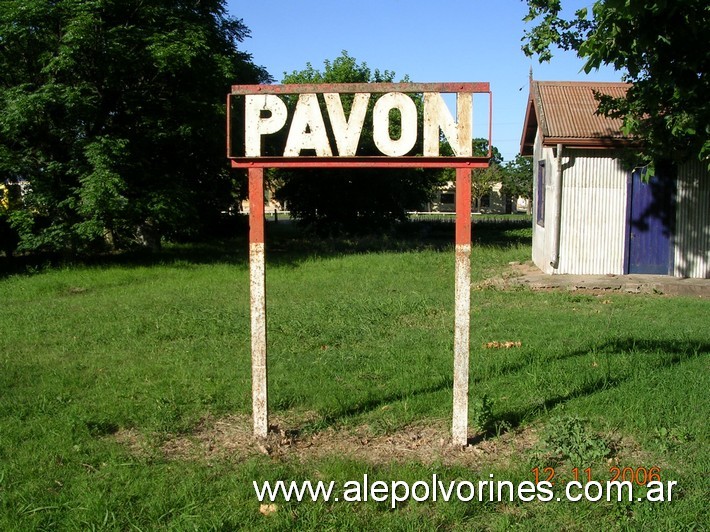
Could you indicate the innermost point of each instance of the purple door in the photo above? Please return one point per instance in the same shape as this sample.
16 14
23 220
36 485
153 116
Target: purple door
650 225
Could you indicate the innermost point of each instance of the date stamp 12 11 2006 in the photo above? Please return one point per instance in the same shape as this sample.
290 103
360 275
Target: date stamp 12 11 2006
640 476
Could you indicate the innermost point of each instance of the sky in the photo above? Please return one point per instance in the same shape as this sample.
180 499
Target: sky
442 41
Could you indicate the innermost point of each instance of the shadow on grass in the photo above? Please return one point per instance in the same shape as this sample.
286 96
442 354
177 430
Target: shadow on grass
678 348
231 251
288 244
374 403
679 351
672 353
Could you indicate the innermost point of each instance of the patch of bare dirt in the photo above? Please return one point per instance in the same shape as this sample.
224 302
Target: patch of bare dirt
231 438
627 452
525 275
520 269
509 277
133 441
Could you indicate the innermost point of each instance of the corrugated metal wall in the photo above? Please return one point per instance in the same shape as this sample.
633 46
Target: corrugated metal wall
594 195
692 240
594 205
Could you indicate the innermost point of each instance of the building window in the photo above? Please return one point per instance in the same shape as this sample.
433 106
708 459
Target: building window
446 197
540 197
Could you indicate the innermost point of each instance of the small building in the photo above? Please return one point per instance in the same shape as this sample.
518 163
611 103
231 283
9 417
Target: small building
444 199
594 215
494 202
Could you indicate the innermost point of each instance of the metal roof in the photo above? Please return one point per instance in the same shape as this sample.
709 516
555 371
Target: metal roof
566 112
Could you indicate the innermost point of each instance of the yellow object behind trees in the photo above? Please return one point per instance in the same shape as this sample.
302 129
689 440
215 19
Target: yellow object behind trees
4 198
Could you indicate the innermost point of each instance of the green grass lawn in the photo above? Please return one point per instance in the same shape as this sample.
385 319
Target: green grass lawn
114 375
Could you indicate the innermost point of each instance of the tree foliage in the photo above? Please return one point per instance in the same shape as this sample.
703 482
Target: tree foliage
482 182
482 179
114 112
661 47
352 200
518 177
515 176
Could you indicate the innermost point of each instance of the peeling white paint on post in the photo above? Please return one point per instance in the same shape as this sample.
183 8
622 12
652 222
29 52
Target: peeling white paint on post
461 343
257 292
462 306
258 340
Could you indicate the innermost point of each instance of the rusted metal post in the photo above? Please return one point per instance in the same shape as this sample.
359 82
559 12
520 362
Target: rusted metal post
462 305
257 292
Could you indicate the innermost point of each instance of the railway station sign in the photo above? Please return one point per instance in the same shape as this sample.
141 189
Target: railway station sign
302 126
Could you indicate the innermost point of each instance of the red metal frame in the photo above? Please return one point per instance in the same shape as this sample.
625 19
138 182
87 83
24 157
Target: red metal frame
256 206
361 162
351 88
463 206
463 165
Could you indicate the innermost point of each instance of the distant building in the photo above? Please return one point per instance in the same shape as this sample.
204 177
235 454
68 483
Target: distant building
495 202
591 215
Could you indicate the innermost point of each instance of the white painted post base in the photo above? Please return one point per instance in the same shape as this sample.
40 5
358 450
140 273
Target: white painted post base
258 340
461 343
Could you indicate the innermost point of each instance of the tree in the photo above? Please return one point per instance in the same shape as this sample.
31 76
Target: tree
483 179
518 178
114 113
352 200
482 182
662 49
480 149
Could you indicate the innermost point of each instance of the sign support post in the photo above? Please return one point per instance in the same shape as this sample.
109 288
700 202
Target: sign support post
257 297
462 306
